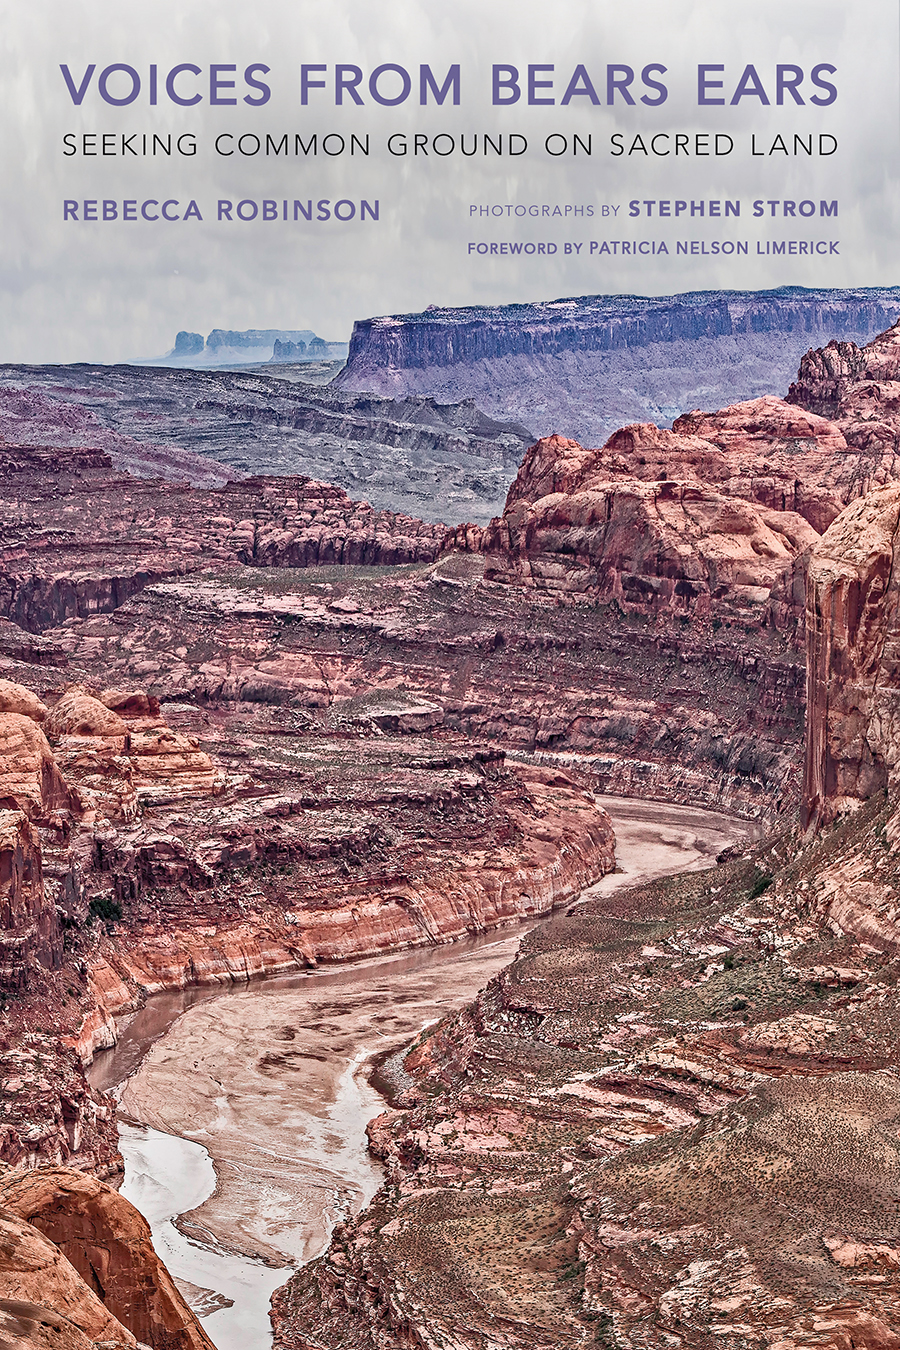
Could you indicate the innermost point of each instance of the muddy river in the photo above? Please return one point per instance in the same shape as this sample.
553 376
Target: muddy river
243 1110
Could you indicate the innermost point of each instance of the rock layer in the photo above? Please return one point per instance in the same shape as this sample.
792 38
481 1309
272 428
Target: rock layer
587 365
30 934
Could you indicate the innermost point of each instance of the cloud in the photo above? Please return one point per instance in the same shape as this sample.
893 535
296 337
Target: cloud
95 290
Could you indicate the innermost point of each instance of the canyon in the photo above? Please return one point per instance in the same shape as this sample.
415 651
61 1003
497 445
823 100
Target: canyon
427 458
252 727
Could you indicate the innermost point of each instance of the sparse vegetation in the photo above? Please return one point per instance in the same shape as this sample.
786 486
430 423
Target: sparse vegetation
104 908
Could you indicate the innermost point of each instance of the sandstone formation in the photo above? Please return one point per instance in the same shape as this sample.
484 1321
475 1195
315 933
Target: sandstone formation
15 698
29 931
672 543
853 741
108 1243
721 509
29 778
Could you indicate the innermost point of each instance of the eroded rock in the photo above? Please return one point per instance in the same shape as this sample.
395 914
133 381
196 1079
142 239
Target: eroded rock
108 1243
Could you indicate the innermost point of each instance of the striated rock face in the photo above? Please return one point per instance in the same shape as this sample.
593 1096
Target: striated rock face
108 1243
536 845
853 733
673 1119
852 615
30 933
51 1116
29 778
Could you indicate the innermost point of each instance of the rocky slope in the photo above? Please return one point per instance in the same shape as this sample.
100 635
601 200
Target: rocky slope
853 748
585 366
77 539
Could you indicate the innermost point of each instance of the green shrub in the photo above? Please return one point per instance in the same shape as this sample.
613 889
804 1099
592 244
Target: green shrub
761 882
101 907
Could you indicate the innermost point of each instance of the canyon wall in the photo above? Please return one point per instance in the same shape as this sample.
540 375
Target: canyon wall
29 930
604 323
852 600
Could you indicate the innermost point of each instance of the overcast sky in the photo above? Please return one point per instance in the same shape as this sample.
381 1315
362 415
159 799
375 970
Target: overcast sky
94 290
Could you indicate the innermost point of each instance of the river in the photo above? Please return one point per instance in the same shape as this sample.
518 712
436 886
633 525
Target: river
243 1111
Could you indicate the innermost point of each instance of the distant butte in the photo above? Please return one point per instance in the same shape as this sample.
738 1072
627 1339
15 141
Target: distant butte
586 365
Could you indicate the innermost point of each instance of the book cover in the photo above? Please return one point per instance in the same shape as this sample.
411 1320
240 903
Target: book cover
448 743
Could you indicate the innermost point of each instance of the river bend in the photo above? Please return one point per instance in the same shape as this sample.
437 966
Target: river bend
243 1110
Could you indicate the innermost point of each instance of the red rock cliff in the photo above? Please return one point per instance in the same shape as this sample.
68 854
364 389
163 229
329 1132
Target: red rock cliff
853 658
108 1243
